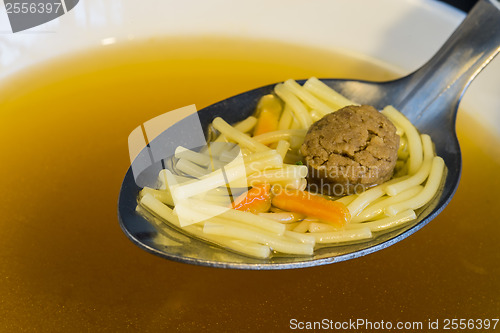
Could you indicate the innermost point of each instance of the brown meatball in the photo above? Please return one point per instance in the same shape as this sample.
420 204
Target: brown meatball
350 150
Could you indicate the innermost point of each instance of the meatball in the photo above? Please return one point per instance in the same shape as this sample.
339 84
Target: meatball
350 150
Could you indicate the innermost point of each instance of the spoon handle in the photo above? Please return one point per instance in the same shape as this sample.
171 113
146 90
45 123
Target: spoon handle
445 77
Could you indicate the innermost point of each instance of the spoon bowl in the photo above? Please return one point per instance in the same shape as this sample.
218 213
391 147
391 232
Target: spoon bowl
428 97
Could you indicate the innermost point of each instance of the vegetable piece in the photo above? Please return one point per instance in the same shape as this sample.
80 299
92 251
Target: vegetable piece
256 200
268 122
268 112
335 213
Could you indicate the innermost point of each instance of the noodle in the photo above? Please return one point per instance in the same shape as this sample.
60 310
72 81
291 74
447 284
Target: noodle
308 98
320 227
420 176
301 237
302 227
229 155
210 181
368 196
192 156
286 119
241 138
316 115
347 199
364 199
378 208
387 222
402 151
282 148
264 155
284 245
252 220
275 136
283 217
243 126
293 184
330 96
424 196
275 175
167 215
189 168
296 106
414 142
342 236
162 195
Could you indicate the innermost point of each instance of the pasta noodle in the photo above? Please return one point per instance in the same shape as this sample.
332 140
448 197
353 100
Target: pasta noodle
296 106
308 98
244 247
320 227
282 148
387 222
302 226
238 170
286 118
284 245
275 136
238 136
192 156
322 91
420 176
414 142
253 220
367 197
189 168
342 236
272 176
244 126
316 115
283 217
377 208
426 194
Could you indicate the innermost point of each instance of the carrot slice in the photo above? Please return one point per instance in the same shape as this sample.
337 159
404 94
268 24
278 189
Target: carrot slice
335 213
268 113
256 200
267 122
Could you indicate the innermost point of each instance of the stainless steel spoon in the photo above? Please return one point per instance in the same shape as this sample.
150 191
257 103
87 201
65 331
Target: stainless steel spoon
429 97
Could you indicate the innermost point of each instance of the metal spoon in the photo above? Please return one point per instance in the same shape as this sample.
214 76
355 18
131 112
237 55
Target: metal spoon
429 97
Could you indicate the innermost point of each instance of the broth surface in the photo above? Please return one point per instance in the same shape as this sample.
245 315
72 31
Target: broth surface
66 265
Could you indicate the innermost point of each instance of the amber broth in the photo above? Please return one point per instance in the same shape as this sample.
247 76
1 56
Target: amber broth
65 263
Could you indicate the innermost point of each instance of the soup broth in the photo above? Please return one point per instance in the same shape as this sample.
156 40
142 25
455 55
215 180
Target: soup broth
65 263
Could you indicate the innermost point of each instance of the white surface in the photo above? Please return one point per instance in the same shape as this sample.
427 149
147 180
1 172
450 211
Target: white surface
404 33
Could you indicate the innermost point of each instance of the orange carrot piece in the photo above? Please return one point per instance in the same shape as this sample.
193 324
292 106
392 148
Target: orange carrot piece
267 122
268 114
335 213
256 200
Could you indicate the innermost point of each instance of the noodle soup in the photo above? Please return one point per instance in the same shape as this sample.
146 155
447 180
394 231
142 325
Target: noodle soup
64 261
